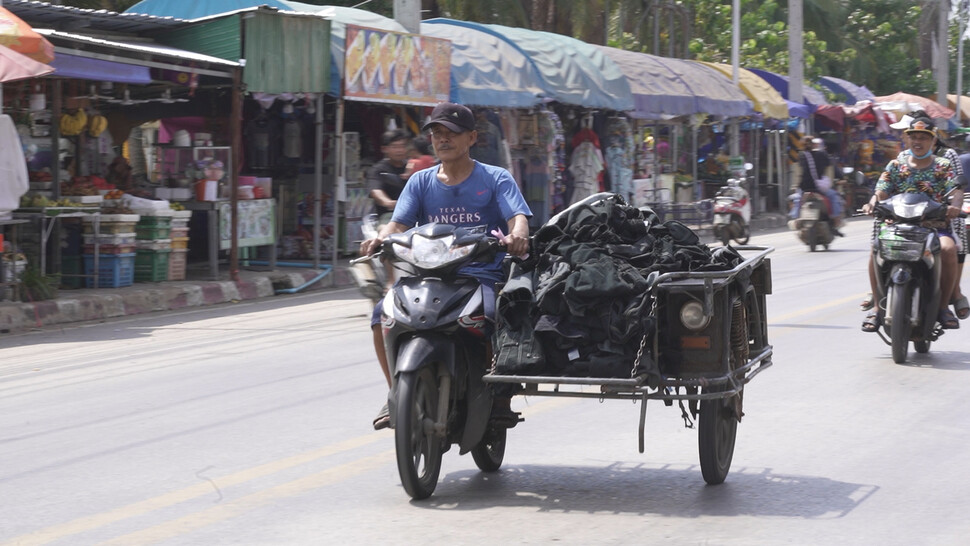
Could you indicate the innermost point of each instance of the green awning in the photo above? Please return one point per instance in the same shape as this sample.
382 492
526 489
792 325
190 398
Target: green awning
284 53
287 54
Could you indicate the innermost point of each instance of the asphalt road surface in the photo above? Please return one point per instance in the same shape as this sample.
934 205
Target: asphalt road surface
250 424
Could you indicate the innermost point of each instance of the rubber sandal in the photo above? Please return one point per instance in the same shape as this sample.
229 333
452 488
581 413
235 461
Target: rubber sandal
872 322
383 419
867 303
962 307
948 321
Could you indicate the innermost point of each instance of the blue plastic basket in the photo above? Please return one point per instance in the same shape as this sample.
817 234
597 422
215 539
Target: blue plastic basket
114 270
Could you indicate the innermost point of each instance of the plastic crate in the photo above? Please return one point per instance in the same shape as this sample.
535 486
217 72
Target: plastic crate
176 265
151 265
114 270
111 249
110 227
110 239
154 227
155 244
180 243
180 232
180 219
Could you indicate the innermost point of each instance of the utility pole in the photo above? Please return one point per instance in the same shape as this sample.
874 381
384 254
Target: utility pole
963 13
734 144
942 53
408 13
796 55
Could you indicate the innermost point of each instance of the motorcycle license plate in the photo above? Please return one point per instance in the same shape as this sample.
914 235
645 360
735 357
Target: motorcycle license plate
811 214
722 218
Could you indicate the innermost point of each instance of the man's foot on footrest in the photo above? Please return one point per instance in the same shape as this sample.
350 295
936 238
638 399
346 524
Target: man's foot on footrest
383 419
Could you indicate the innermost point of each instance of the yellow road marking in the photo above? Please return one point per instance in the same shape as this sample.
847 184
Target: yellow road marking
819 307
88 523
198 520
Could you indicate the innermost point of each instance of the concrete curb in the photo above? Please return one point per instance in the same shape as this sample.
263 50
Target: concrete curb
100 304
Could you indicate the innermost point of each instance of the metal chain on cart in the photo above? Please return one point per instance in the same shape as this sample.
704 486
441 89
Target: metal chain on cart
643 341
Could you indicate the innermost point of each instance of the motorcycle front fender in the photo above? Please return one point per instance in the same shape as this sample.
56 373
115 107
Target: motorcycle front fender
419 352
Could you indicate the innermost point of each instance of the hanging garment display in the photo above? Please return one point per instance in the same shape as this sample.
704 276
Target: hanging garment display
586 165
618 153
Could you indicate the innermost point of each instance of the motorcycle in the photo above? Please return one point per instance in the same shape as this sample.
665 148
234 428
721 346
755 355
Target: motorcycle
732 213
368 272
435 335
854 188
907 262
814 225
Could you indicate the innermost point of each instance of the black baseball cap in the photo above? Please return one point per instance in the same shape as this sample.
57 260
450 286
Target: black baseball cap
922 125
455 117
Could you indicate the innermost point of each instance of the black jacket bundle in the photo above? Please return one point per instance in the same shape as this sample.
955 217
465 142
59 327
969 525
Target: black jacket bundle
588 304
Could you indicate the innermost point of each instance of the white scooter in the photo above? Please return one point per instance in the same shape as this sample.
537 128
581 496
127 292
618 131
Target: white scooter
732 213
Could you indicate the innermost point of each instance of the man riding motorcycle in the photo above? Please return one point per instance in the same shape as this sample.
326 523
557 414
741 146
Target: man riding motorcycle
921 172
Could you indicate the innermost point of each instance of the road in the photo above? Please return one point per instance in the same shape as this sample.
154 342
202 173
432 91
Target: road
250 424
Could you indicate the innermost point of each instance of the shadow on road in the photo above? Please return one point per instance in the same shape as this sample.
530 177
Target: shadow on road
646 489
939 360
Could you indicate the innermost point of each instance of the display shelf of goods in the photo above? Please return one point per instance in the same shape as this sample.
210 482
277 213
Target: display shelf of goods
151 265
85 199
114 270
176 265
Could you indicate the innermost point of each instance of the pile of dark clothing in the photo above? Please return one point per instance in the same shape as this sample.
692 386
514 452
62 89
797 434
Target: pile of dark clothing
583 303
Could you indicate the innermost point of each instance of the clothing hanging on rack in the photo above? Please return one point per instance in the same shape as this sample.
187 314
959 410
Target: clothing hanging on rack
586 165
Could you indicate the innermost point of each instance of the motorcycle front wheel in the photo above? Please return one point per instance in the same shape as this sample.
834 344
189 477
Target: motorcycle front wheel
490 452
745 236
901 330
418 448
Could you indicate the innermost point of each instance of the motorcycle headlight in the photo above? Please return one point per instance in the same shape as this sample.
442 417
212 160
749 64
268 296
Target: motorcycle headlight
692 316
432 253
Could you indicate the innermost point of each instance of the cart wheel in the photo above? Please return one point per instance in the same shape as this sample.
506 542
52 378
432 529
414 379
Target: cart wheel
490 452
717 428
418 448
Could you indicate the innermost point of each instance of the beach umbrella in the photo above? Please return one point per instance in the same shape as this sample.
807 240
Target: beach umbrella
18 36
14 66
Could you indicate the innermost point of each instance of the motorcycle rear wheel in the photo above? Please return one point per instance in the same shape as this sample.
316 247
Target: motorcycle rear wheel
418 448
901 330
490 452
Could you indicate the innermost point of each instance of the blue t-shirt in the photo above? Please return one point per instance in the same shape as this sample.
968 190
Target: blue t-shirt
487 199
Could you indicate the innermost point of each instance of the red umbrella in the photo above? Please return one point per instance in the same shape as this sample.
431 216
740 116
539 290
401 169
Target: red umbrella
14 66
18 36
932 108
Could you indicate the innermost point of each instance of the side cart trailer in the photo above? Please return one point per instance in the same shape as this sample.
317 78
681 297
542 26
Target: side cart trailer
711 339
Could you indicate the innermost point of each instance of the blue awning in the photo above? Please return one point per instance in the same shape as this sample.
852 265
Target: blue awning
183 9
486 70
572 71
810 95
83 68
663 86
853 93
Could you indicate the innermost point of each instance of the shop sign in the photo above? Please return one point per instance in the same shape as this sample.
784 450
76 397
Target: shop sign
257 219
736 166
384 66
